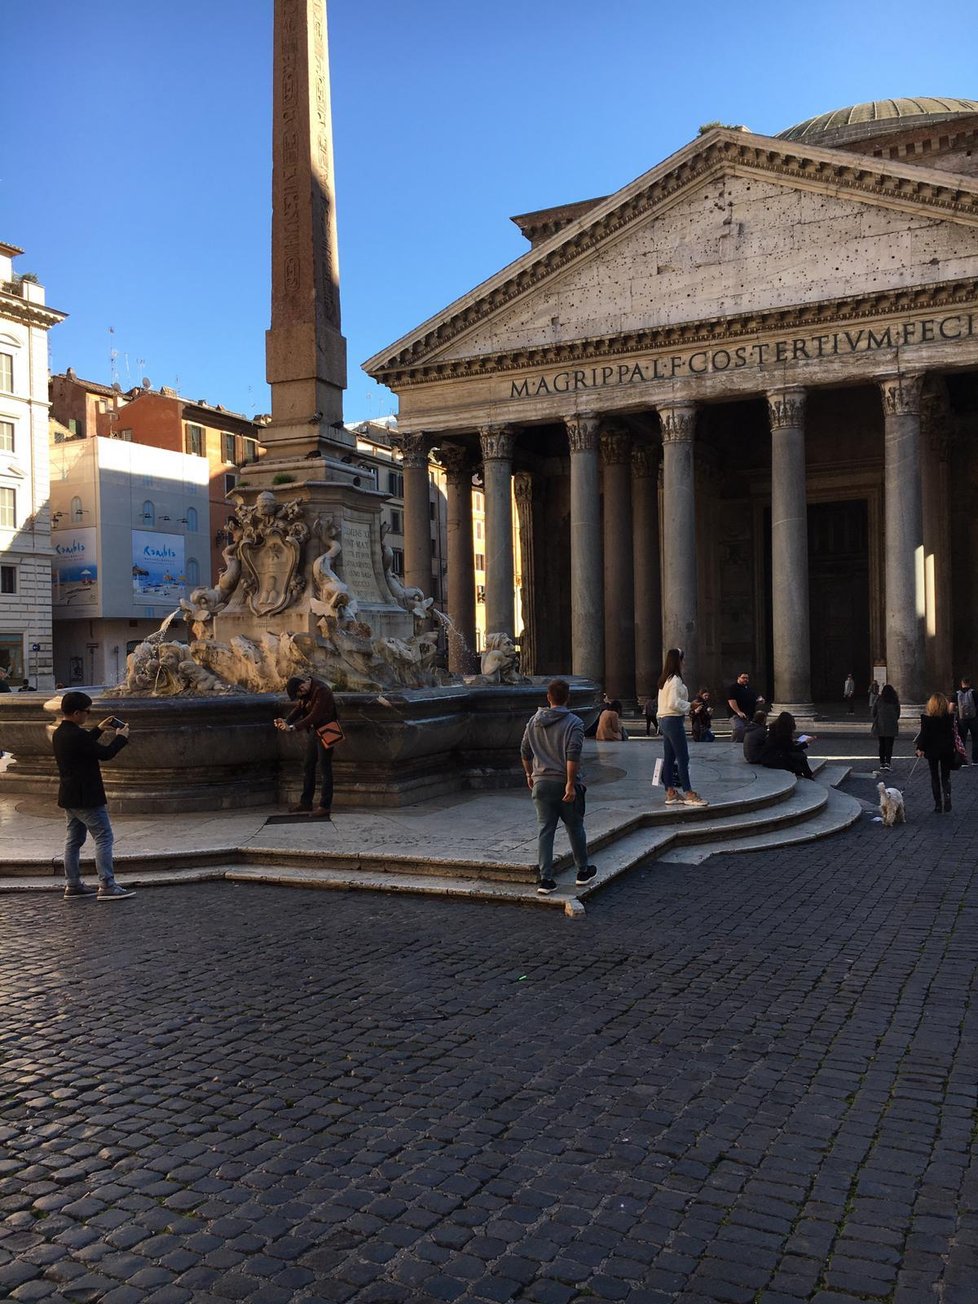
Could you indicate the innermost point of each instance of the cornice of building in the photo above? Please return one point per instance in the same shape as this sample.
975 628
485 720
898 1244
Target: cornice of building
28 313
748 325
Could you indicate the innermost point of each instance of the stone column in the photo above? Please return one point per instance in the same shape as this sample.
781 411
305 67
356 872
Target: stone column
679 598
417 512
904 540
462 659
789 554
619 568
648 578
497 468
937 429
586 577
523 492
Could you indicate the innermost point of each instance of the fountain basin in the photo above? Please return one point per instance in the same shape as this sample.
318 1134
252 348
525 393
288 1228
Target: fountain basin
191 753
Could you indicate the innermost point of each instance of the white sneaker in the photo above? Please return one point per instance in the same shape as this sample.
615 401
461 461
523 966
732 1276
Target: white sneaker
694 799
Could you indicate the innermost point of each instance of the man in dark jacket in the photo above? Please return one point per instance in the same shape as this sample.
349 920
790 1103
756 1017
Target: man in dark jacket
315 705
81 795
551 755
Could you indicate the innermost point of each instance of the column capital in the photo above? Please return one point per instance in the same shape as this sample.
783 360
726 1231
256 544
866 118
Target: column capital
523 488
938 425
901 394
786 408
414 448
497 443
456 461
582 431
678 422
645 460
616 446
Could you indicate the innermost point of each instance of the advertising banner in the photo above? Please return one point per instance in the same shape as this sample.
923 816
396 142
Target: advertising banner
157 568
74 570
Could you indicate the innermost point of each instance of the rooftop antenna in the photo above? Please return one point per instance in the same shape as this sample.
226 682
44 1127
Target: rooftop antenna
113 354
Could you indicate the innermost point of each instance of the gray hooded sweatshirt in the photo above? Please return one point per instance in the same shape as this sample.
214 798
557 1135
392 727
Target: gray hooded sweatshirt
553 737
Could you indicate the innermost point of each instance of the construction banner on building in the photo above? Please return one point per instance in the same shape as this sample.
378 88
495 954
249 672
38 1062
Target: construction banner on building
74 570
157 567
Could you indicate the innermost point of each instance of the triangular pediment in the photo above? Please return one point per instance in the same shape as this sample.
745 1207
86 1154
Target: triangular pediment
732 224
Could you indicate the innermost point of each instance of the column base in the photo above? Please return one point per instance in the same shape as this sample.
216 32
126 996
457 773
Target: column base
804 712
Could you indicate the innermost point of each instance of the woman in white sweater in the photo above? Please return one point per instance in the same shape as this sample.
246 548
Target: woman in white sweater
673 706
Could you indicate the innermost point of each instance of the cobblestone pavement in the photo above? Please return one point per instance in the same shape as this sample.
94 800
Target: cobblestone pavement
750 1081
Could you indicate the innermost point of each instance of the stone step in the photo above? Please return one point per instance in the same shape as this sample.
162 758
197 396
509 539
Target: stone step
402 853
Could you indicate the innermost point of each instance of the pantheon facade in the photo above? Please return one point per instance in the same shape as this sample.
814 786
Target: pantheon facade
738 404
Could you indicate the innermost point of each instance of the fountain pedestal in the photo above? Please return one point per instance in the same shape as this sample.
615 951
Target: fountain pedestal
217 753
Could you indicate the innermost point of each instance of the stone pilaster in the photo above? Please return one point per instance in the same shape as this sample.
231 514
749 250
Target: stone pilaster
417 511
523 493
789 554
646 459
497 444
905 599
461 559
586 575
679 588
619 570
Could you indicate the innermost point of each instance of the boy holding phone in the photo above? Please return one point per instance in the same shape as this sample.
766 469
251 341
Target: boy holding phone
81 794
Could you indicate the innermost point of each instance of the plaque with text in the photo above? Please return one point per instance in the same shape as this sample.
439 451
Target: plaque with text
356 563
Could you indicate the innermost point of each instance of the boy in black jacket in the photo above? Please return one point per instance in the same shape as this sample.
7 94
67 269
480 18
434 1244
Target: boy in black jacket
81 795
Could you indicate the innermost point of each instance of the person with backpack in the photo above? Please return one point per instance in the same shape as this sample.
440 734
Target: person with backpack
967 712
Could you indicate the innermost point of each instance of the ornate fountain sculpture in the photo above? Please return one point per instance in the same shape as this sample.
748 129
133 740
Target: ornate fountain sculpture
279 561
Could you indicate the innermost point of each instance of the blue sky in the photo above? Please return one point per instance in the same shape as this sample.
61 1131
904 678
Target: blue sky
136 169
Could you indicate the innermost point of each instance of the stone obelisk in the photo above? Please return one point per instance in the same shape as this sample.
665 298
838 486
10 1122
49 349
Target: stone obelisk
305 352
306 555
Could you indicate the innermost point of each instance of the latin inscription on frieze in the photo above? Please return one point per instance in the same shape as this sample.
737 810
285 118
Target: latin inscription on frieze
736 357
356 562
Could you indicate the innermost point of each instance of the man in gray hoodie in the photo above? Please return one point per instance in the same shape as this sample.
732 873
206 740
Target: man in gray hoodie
551 754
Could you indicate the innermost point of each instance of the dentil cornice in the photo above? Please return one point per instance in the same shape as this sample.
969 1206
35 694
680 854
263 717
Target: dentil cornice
905 300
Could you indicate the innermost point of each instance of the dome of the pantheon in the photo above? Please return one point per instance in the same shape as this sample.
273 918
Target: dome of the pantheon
878 117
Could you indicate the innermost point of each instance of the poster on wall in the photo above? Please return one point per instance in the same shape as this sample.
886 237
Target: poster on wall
157 567
74 570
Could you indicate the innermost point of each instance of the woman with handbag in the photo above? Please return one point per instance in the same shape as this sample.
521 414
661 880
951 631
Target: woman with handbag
886 722
673 704
314 714
936 742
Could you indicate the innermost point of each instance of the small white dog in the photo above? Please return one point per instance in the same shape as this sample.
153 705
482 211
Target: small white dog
891 805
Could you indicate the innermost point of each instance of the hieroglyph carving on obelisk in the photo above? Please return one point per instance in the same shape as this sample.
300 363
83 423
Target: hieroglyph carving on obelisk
304 350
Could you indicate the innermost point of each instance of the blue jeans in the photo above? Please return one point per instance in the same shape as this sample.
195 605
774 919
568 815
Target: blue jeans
675 752
964 728
548 799
81 822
